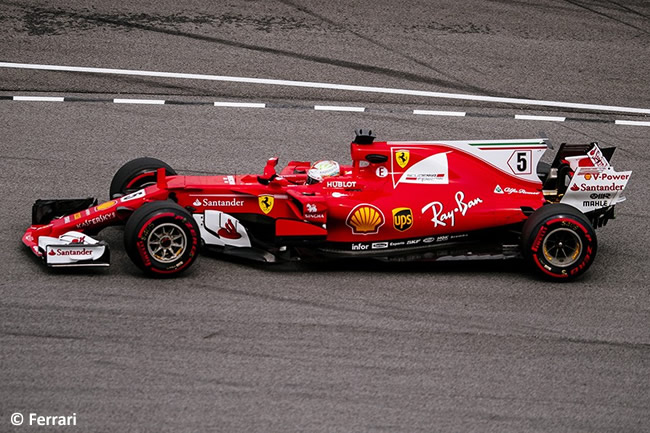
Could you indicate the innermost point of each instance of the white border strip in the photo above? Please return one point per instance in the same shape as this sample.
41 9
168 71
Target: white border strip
631 123
440 113
544 118
339 108
240 104
39 98
367 89
140 101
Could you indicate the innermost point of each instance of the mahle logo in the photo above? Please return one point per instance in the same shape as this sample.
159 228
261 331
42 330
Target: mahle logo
402 157
402 219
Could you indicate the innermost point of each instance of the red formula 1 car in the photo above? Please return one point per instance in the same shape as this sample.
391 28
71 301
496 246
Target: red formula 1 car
396 201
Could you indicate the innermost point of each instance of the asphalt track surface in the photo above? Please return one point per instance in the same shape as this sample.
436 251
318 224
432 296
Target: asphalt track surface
337 347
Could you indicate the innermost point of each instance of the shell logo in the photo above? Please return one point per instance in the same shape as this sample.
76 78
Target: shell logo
107 205
365 219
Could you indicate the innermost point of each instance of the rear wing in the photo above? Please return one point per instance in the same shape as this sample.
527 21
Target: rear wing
585 179
572 150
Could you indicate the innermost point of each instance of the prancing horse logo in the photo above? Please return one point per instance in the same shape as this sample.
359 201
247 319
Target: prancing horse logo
266 203
402 157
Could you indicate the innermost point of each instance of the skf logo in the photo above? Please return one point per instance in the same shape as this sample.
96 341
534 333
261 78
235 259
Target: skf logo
365 219
402 157
266 203
402 219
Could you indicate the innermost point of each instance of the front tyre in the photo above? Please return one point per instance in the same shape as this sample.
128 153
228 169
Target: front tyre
137 174
559 242
162 238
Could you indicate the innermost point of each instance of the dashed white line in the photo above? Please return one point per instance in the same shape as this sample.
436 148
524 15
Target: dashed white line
440 113
544 118
353 88
139 101
239 104
339 108
631 123
39 98
315 107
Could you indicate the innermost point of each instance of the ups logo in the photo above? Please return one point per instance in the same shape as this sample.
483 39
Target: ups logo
402 219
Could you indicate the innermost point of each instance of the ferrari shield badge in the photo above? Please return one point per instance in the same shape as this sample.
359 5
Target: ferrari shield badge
402 158
266 203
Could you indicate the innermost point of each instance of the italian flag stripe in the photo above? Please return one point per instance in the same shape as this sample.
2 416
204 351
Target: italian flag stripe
508 144
514 148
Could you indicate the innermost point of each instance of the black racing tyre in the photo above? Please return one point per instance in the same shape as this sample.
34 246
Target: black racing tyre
543 170
162 238
137 174
559 242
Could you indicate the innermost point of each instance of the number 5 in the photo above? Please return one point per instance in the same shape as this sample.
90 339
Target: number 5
522 161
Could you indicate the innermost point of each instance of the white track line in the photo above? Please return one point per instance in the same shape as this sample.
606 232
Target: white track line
348 87
140 101
339 108
631 123
39 98
240 104
440 113
544 118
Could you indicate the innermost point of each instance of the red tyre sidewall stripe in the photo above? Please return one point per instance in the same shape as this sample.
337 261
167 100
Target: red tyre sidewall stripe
152 219
546 271
138 177
145 257
538 239
560 220
548 224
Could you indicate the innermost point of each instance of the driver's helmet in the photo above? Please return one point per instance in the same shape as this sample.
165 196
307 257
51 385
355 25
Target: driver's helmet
321 170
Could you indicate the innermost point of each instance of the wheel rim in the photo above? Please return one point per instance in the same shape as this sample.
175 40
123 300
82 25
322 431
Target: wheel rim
167 243
562 247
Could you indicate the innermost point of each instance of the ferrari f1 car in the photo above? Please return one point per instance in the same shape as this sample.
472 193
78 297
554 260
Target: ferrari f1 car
396 201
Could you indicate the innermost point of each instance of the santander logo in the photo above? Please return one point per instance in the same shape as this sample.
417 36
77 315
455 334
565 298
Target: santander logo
72 252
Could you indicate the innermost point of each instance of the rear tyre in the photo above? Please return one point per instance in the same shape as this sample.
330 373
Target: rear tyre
543 170
559 242
162 238
137 174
